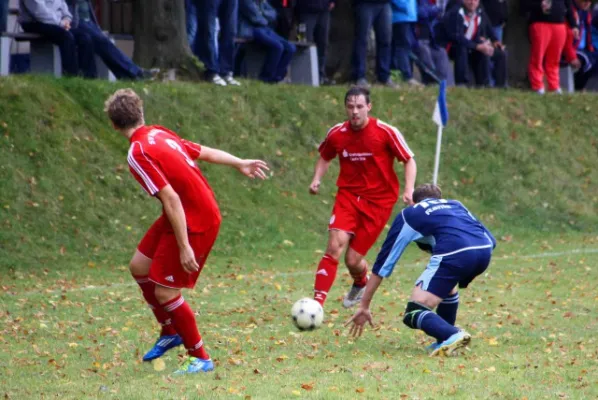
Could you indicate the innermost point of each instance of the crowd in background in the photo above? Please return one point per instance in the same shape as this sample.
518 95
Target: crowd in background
427 34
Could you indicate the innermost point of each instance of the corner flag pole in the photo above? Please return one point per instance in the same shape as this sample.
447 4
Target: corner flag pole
440 117
437 157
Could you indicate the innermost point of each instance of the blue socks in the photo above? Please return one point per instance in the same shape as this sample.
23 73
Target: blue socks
447 309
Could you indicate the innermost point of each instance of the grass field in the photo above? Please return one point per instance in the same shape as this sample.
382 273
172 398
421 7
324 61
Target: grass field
73 324
532 317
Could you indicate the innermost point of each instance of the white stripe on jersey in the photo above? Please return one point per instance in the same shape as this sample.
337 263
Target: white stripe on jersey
135 165
397 138
151 162
463 249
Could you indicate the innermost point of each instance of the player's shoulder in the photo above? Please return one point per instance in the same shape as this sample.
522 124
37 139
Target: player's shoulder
336 129
385 126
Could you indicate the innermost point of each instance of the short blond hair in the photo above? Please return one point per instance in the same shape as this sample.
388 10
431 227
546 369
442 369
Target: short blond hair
124 108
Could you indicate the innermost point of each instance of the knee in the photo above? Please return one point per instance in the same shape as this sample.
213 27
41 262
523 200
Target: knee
413 314
164 294
352 260
290 48
334 250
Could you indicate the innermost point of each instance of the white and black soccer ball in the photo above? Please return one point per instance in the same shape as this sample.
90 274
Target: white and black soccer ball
307 314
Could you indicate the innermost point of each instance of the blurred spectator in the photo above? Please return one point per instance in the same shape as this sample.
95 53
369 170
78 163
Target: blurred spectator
376 13
498 12
3 15
429 52
315 15
255 19
86 25
217 58
52 20
285 14
404 16
547 33
471 42
191 22
580 53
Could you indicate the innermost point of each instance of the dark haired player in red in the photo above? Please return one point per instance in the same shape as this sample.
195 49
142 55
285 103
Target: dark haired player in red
173 251
368 188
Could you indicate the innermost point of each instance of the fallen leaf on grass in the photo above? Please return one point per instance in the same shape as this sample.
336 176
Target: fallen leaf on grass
159 364
307 386
360 390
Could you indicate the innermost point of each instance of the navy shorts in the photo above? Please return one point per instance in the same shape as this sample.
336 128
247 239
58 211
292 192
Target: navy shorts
444 272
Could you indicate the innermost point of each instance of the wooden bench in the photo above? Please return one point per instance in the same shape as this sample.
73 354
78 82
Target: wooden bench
303 68
44 56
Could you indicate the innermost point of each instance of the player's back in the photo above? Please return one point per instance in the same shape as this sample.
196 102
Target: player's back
159 157
448 225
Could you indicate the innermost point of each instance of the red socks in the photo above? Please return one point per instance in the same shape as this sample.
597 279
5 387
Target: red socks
325 276
183 319
360 279
147 288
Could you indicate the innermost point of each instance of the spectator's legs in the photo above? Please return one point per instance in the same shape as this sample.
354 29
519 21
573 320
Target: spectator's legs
589 66
363 23
480 64
499 71
460 54
3 15
191 22
205 42
285 59
85 53
227 16
274 52
424 53
441 62
121 66
401 45
61 38
540 36
321 39
554 51
383 30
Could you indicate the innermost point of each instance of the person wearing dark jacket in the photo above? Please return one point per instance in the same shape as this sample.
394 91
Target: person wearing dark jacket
315 15
498 12
429 52
255 20
467 33
85 23
376 13
285 15
548 34
581 53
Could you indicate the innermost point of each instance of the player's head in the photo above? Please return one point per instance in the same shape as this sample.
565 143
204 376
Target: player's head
125 109
426 191
357 106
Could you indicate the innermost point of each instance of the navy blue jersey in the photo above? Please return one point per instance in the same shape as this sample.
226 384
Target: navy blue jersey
443 227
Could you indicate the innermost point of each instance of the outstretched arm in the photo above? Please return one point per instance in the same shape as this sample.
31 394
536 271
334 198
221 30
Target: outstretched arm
363 314
320 170
249 168
410 174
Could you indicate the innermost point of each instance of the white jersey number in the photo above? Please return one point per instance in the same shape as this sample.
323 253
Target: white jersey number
174 145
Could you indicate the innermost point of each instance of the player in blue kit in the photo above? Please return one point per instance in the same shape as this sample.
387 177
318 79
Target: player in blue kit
461 249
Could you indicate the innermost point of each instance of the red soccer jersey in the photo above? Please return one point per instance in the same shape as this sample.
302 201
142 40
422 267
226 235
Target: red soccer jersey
366 159
158 157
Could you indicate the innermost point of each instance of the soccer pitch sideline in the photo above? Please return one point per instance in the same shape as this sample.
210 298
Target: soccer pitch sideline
532 317
74 324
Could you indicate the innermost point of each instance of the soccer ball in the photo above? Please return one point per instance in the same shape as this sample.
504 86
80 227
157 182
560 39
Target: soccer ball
307 314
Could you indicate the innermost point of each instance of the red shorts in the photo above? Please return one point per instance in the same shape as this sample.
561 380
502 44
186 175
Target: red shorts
359 217
159 244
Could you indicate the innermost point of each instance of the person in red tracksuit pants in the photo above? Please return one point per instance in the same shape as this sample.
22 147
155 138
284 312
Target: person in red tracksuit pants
548 33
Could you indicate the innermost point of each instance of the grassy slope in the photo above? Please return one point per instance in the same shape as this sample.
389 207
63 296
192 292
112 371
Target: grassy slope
523 163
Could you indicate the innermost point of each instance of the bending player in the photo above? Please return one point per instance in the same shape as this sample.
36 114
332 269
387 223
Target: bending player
368 188
461 249
172 253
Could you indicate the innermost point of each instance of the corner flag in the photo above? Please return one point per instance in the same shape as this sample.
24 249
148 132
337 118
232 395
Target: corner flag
440 117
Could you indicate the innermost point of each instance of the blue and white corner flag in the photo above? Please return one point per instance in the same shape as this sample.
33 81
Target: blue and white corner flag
441 116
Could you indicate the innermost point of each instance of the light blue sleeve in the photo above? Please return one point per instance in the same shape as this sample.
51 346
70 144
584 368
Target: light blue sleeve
399 236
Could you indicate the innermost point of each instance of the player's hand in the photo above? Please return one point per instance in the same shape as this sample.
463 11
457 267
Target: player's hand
575 33
314 187
254 169
188 259
358 320
576 64
408 196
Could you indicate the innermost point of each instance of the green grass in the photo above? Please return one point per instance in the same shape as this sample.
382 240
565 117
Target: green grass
74 325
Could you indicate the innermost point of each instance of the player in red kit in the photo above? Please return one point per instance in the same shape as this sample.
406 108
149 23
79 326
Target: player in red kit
368 188
173 251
